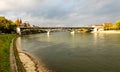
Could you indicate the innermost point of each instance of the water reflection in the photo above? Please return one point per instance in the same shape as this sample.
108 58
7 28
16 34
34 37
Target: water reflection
98 37
48 37
72 35
18 42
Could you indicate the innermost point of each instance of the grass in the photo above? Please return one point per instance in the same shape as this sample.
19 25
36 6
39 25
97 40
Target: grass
5 40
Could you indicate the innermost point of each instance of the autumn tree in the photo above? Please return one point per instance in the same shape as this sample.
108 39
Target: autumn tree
6 26
118 24
108 26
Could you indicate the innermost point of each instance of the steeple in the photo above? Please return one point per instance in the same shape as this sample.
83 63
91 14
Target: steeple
20 21
17 22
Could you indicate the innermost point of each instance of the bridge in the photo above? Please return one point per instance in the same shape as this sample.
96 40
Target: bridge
65 27
48 29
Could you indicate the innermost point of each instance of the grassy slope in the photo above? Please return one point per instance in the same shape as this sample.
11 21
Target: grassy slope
5 40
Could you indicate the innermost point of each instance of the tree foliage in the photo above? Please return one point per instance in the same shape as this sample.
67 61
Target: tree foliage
108 26
6 26
118 24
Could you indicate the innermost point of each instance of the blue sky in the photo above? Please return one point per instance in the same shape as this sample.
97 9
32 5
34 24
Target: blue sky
61 12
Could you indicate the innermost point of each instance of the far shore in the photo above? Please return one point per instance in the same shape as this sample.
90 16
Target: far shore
108 31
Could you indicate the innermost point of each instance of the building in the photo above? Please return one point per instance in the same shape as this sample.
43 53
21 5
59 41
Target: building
98 27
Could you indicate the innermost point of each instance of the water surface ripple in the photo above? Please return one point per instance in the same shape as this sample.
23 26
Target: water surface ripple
83 52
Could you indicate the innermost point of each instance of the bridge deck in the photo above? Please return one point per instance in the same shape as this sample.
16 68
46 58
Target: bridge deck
56 27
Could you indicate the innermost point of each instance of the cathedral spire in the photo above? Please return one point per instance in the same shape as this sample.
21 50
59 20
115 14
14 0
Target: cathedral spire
20 21
17 22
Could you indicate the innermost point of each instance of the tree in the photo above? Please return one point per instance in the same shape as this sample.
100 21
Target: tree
108 26
6 26
118 24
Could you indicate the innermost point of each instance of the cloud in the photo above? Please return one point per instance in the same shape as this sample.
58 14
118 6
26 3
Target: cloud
16 4
61 12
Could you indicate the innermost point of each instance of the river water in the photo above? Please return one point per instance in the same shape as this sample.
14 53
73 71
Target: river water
82 52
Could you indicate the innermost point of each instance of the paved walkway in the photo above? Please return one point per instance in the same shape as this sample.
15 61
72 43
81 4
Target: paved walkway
12 59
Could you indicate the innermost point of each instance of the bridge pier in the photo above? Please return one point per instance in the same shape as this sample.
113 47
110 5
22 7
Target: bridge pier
72 32
48 32
95 29
18 31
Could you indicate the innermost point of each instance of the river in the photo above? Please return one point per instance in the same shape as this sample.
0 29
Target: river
82 52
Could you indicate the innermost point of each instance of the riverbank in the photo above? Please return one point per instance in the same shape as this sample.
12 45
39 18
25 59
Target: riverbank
108 31
5 40
30 62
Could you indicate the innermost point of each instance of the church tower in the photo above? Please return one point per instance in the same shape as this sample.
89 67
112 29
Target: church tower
18 22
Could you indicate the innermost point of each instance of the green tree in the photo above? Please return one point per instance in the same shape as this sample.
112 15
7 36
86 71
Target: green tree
118 24
6 26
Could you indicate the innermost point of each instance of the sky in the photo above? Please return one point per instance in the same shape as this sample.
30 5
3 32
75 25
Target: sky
61 12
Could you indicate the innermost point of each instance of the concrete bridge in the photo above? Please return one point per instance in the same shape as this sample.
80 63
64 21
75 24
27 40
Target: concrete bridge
65 27
49 29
